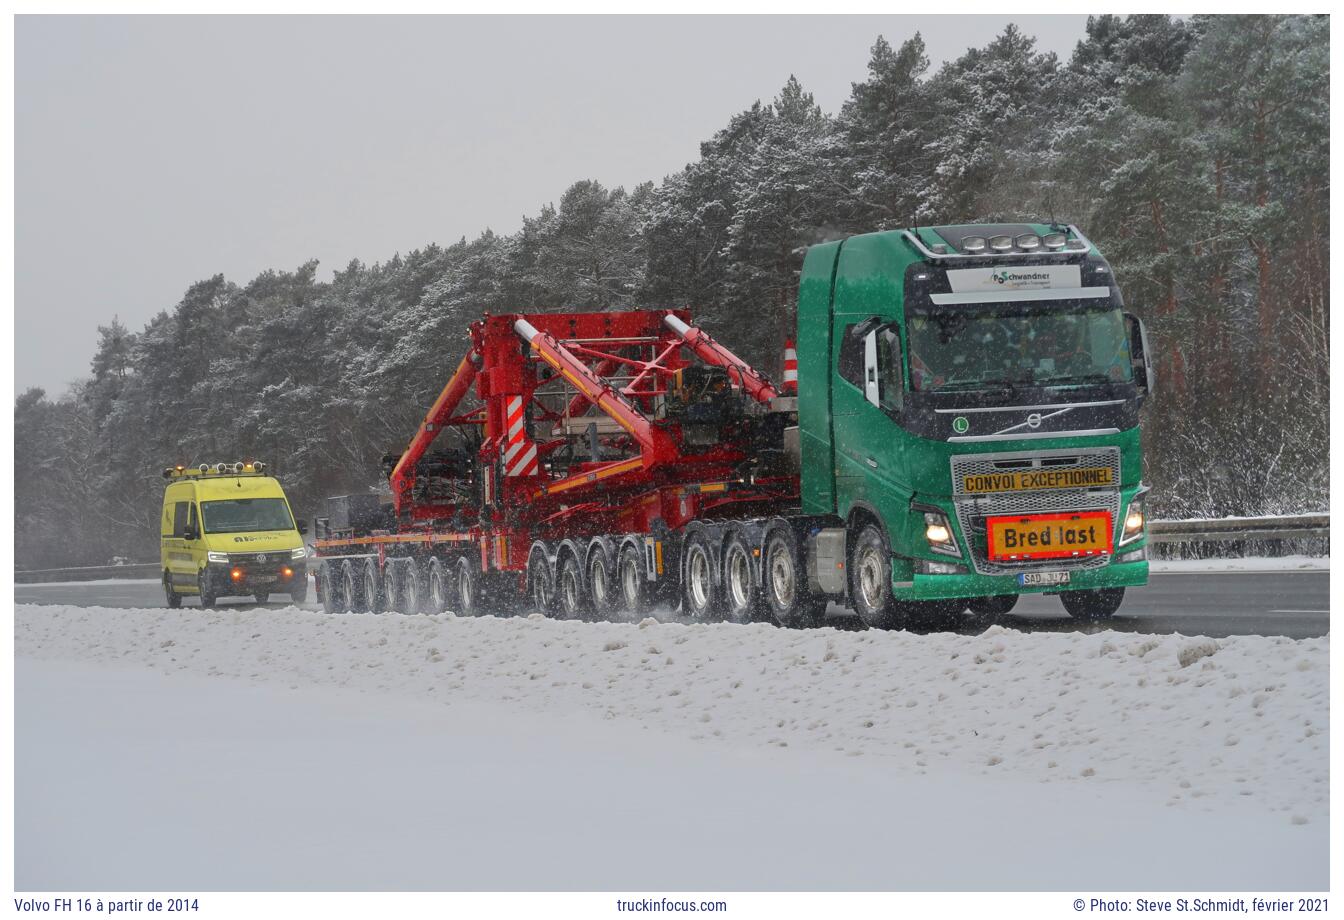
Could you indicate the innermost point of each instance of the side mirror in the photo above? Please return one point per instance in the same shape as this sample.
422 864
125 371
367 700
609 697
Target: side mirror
1140 355
302 527
189 533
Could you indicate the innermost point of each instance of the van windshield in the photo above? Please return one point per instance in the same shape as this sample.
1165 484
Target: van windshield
239 515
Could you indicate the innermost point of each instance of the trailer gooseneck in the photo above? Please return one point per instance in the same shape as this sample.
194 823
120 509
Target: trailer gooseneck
965 431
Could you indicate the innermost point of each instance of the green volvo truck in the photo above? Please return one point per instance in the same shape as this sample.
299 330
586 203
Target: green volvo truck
968 422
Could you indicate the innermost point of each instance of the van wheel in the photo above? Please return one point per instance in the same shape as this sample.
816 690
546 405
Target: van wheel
174 599
785 585
206 589
298 592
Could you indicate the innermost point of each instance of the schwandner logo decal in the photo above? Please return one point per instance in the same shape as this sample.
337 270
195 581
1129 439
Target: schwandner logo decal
1019 279
1005 278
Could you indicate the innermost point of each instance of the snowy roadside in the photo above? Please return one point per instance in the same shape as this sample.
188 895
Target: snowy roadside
1246 564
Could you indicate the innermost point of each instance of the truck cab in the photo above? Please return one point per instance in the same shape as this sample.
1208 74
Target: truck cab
977 429
226 531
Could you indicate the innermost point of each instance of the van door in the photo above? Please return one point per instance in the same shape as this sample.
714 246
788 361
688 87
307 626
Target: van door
182 557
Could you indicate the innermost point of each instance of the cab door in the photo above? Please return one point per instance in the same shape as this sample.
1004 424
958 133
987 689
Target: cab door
182 557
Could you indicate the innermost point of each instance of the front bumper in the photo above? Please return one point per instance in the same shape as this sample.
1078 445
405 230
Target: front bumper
971 585
269 578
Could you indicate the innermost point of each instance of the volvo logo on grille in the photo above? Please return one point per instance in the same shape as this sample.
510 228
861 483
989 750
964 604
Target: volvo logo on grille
1034 420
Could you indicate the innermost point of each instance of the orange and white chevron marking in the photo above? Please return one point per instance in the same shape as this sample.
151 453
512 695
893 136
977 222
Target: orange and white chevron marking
519 454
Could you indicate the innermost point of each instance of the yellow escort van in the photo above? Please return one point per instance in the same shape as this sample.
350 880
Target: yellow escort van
227 531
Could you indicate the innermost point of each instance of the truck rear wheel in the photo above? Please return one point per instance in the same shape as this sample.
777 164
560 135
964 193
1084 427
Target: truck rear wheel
635 594
570 600
440 586
785 584
375 587
601 583
1100 604
410 582
699 594
468 594
870 581
352 587
741 594
540 585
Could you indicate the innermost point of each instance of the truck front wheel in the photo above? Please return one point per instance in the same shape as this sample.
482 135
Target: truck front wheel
870 580
785 584
1100 604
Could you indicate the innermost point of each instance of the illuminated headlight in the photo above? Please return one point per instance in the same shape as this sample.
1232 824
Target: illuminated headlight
1134 518
1054 241
217 557
938 532
299 553
1001 243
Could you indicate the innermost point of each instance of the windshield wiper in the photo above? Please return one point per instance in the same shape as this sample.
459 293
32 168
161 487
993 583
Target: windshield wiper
1077 380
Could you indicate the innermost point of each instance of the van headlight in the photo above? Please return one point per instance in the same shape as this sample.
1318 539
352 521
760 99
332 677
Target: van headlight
299 553
217 557
1134 519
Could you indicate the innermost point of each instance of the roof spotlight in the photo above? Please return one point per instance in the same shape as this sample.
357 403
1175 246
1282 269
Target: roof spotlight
972 244
221 468
167 472
204 467
238 467
1028 242
1001 243
1054 241
258 467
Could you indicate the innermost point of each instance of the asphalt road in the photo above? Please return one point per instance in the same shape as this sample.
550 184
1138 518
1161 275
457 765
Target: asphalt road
1272 603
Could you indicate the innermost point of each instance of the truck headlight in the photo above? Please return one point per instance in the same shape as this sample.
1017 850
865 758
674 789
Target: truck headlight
938 531
299 553
1134 519
217 557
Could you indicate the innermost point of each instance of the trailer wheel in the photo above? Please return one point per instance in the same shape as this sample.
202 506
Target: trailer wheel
785 585
329 586
570 599
440 586
468 592
699 594
601 584
352 587
410 587
634 588
741 593
870 581
1099 604
375 587
540 585
206 589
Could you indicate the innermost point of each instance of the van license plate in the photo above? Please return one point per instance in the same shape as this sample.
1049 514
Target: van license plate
1037 579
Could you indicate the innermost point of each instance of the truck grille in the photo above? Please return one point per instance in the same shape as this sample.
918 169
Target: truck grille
972 509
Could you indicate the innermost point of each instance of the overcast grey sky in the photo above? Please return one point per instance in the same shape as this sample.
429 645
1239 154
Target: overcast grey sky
152 152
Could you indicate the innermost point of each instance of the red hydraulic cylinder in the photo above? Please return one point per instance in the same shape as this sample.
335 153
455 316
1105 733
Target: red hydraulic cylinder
403 476
711 352
658 444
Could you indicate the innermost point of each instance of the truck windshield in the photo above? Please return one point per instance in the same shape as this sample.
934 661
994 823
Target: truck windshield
238 515
1046 343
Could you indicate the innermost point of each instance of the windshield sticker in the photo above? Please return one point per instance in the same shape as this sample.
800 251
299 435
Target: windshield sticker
1010 278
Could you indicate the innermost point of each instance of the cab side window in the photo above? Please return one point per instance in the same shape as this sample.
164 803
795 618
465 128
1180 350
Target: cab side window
891 380
182 516
850 365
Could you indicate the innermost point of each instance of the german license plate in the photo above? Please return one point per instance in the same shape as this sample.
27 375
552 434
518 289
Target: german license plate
261 579
1037 579
1049 536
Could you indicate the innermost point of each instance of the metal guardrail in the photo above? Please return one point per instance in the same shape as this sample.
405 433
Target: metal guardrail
1209 530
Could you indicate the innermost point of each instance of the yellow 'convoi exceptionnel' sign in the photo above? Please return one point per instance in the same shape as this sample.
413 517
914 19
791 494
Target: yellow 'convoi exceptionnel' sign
1021 480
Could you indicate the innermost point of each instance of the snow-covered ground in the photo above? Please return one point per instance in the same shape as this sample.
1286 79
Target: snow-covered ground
1246 564
249 748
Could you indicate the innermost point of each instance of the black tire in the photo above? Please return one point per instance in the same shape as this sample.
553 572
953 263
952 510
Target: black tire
467 597
329 586
439 584
540 583
204 584
602 584
870 581
571 600
699 592
410 581
636 598
262 596
352 587
375 587
985 608
741 591
1099 604
784 581
172 597
298 591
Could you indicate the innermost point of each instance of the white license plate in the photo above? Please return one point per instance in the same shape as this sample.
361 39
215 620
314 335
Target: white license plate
1036 579
259 579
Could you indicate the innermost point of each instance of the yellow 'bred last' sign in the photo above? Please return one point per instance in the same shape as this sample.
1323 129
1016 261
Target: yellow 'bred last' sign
1020 480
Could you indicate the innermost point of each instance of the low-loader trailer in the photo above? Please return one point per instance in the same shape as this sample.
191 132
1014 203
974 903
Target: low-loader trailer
964 431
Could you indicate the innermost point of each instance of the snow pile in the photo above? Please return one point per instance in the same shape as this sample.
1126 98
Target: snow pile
1198 723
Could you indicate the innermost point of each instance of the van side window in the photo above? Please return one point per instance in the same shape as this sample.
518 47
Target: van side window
180 519
850 366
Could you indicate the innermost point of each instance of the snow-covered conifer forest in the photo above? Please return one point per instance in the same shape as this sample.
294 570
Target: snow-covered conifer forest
1194 152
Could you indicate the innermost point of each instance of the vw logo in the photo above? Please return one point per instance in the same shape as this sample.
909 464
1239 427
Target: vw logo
1034 420
261 557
